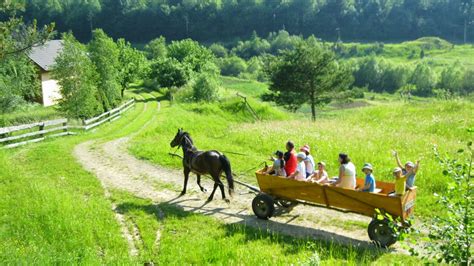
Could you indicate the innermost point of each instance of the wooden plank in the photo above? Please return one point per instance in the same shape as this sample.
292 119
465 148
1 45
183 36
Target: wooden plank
22 143
127 108
88 121
55 122
101 121
5 130
31 134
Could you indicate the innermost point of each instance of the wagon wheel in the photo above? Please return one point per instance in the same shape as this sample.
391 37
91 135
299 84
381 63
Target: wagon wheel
381 233
262 206
287 203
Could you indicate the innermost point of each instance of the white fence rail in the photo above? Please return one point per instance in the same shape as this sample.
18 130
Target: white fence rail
15 136
108 116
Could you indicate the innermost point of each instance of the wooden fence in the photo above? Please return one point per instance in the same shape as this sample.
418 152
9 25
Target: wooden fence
111 115
15 136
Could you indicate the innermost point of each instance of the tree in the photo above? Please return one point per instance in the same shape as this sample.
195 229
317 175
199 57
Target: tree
133 64
198 57
307 74
15 36
78 79
156 48
218 50
451 79
466 10
105 56
170 73
424 78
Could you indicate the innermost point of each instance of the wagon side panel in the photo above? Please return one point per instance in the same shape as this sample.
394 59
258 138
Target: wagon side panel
363 202
291 189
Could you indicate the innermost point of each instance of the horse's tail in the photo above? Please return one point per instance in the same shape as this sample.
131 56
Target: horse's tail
228 172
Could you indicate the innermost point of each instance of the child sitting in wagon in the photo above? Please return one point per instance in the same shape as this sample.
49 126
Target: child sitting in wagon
320 176
278 167
369 184
399 183
409 170
300 173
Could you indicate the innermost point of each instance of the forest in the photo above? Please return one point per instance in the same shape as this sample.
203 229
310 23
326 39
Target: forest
139 21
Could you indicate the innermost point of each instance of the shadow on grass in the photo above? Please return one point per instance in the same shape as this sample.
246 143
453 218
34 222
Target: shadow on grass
293 238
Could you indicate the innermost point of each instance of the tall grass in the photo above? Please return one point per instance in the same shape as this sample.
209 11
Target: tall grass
368 134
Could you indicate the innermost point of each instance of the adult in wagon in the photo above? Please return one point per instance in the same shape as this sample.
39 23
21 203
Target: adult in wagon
300 173
290 158
309 161
347 173
409 170
369 184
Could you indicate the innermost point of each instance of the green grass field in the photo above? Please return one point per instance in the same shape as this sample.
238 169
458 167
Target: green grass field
367 134
54 212
439 53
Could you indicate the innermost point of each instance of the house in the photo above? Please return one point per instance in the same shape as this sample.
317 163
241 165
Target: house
44 56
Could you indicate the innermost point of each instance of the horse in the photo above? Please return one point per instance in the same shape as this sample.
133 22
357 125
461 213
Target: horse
210 162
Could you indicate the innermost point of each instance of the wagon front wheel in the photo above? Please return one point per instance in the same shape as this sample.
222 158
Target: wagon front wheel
262 206
381 233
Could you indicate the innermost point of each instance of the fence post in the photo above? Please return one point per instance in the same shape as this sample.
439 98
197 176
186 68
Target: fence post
41 127
66 129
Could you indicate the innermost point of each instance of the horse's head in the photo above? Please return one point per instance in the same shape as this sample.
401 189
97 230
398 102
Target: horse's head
177 139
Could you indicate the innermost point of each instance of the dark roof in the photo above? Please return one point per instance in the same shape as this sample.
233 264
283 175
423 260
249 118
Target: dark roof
44 55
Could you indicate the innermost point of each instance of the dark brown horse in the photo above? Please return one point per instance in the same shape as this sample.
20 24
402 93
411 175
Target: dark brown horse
203 162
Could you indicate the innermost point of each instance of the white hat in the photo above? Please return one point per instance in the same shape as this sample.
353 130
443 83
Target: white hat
397 169
411 164
301 155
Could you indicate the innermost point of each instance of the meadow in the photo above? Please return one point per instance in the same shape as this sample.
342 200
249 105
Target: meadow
437 52
367 134
54 212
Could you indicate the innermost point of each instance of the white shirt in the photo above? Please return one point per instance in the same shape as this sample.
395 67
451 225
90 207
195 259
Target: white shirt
349 178
301 168
309 162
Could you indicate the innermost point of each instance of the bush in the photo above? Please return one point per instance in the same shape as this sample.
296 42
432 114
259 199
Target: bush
424 78
232 66
218 50
206 88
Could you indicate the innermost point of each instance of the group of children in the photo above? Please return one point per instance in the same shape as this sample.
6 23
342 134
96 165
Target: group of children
301 166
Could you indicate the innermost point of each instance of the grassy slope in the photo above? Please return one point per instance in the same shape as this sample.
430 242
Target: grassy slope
368 134
51 210
441 53
58 214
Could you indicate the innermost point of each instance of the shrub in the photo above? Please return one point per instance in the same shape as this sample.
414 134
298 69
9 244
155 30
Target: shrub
232 66
424 78
218 50
206 88
451 233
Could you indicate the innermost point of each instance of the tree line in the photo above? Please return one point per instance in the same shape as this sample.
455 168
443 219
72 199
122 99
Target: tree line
219 20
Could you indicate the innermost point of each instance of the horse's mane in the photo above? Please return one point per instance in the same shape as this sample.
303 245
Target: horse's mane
189 141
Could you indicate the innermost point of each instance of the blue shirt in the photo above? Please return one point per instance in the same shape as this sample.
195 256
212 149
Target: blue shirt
369 180
410 178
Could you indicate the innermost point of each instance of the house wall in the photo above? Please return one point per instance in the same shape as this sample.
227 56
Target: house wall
50 89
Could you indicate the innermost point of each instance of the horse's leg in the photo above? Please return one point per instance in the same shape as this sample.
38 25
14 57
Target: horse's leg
213 191
218 181
186 177
199 183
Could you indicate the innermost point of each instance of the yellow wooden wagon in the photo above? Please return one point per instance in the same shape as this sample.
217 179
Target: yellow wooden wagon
285 192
